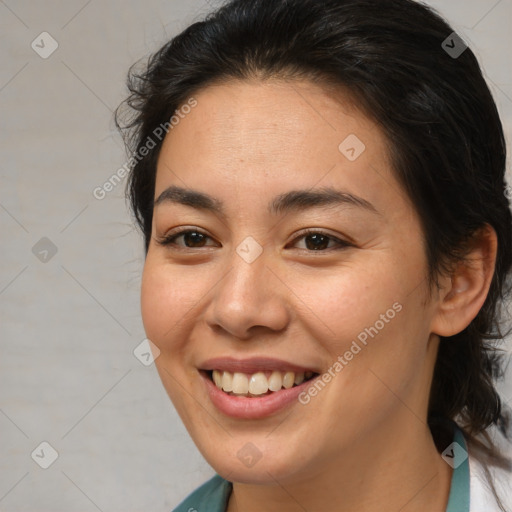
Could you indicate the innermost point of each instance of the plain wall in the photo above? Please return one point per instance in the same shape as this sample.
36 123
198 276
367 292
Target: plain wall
69 325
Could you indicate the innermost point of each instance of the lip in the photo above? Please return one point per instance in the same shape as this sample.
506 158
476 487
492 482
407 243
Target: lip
251 408
253 365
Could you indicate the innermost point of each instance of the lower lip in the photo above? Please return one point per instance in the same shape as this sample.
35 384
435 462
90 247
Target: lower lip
253 407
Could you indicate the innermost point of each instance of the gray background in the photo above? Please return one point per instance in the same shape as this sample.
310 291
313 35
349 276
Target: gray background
69 325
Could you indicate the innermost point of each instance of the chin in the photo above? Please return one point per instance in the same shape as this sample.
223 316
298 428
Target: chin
249 465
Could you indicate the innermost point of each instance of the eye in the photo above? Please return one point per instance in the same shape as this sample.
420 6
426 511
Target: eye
316 240
192 238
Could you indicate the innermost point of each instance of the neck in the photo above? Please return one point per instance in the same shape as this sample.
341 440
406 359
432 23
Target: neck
393 468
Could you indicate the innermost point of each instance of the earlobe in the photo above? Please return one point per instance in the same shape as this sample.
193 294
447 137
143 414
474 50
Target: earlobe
465 291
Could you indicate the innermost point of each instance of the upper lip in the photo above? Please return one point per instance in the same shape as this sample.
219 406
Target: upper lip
252 365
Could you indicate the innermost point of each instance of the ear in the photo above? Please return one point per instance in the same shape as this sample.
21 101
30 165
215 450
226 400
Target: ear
463 293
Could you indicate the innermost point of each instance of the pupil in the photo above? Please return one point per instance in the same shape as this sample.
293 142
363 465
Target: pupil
319 242
195 238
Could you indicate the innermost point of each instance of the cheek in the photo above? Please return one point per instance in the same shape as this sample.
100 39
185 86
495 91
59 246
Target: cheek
166 298
382 344
343 303
152 301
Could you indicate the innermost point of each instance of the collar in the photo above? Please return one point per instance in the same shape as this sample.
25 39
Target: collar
457 456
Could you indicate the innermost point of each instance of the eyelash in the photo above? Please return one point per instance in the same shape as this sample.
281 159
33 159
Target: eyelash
169 240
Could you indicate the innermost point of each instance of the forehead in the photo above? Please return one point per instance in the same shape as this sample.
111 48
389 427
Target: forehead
269 137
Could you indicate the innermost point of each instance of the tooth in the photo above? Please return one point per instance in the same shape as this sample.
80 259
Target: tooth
288 379
227 381
217 378
258 384
299 378
240 383
275 381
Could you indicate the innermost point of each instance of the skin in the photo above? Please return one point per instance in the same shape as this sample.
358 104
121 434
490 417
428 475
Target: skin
362 443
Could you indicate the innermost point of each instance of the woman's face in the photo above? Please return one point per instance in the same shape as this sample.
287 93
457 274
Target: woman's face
248 293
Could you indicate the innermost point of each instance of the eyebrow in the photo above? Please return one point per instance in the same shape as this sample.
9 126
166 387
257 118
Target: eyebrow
294 200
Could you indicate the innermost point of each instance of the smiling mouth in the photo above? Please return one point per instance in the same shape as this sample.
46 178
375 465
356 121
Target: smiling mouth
257 384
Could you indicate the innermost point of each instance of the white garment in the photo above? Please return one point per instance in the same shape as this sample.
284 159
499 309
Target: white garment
481 496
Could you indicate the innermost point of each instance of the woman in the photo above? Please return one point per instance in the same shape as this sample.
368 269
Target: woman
327 241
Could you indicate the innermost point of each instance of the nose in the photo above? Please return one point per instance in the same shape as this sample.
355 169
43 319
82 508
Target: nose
248 299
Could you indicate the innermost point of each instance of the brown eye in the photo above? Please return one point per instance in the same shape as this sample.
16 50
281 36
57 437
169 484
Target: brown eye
192 239
320 241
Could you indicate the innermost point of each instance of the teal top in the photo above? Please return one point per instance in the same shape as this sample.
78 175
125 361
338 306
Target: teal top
213 495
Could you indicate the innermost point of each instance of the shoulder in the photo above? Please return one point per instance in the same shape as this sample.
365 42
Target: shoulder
213 496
